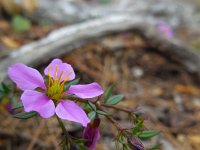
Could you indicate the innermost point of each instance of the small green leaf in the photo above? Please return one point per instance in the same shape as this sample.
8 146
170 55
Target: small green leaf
115 99
92 106
92 115
81 147
5 88
79 141
102 113
155 147
138 126
144 135
17 106
76 81
25 115
87 107
20 23
124 147
108 92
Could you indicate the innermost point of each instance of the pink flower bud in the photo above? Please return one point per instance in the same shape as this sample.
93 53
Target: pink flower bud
91 134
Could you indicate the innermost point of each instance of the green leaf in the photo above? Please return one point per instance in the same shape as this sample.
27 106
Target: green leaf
138 126
79 141
155 147
108 92
87 107
124 147
92 115
144 135
5 88
18 105
102 113
20 23
115 99
76 81
25 115
81 147
92 106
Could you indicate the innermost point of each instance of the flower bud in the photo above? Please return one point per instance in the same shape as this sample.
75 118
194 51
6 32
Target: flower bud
91 134
135 143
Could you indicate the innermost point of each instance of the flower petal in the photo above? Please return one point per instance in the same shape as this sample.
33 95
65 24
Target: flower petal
71 111
57 68
36 101
25 77
86 90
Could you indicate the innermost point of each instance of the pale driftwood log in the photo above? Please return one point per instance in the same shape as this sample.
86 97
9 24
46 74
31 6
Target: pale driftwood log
64 40
67 38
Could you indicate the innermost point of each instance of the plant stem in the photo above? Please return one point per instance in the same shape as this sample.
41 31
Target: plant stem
112 120
126 110
66 134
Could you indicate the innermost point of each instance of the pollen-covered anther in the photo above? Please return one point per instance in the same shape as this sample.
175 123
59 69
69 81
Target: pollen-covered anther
56 72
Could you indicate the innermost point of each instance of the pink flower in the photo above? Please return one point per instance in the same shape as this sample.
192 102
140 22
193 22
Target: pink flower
91 134
166 30
50 101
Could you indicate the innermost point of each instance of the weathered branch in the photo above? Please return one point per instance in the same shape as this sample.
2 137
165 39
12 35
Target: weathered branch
69 11
67 38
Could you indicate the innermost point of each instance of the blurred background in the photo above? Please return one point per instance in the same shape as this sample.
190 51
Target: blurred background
149 49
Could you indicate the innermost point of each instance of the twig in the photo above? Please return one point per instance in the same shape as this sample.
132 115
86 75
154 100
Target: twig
113 121
126 110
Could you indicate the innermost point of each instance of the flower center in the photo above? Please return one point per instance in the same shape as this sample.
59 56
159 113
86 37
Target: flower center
55 87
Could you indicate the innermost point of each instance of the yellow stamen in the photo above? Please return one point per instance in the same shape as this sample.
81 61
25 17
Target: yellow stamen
55 88
56 73
66 79
61 75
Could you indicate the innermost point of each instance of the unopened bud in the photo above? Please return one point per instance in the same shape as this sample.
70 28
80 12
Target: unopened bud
135 143
91 134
